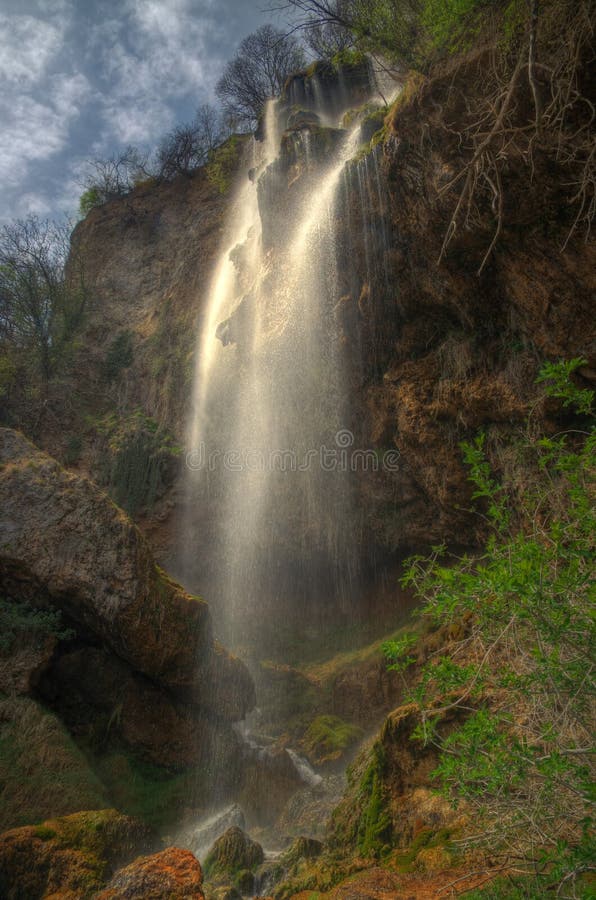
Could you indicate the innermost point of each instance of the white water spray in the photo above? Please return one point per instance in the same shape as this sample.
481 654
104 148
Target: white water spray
272 388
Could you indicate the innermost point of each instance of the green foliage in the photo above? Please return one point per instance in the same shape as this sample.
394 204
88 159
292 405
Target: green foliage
118 357
556 378
89 199
397 652
446 20
529 601
417 32
348 57
138 459
19 620
223 163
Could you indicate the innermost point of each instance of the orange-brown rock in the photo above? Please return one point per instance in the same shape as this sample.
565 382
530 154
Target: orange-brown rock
172 874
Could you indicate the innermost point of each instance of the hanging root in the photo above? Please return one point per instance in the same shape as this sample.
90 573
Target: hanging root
499 127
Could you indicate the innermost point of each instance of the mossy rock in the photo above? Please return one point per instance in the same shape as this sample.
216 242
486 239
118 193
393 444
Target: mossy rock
42 771
303 118
301 848
70 856
232 856
328 737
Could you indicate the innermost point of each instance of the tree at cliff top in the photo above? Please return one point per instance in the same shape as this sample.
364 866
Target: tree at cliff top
520 669
189 146
115 176
258 71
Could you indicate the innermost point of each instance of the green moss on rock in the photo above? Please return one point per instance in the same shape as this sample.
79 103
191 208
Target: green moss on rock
328 737
232 856
42 771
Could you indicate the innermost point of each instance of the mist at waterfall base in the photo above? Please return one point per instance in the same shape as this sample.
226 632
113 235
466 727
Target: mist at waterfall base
280 548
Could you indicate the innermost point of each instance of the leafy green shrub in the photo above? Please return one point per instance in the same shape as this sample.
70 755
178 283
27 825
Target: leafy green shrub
18 620
557 380
223 163
118 357
89 199
397 652
523 669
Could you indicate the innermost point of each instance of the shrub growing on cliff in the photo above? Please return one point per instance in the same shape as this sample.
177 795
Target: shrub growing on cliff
223 163
524 669
119 356
188 146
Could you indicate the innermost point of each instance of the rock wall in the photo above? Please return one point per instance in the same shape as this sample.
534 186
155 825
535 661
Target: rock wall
441 351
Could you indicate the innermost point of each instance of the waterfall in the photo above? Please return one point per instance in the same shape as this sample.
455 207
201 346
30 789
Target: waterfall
270 426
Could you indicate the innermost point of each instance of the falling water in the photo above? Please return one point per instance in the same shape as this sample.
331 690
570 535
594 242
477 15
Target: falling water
272 393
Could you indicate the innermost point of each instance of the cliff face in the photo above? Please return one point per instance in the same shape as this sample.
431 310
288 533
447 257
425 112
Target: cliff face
148 261
446 350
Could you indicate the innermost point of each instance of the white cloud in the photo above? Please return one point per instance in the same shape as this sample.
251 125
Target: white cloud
82 79
33 204
34 130
154 54
27 46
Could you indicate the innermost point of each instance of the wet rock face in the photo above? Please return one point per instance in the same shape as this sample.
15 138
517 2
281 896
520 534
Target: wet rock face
62 541
204 836
329 89
438 351
137 667
92 690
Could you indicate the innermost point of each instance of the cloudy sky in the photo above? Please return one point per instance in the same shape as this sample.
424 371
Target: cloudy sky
84 78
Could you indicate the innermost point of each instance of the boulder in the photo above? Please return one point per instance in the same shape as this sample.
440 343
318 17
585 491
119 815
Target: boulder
64 543
172 874
233 859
